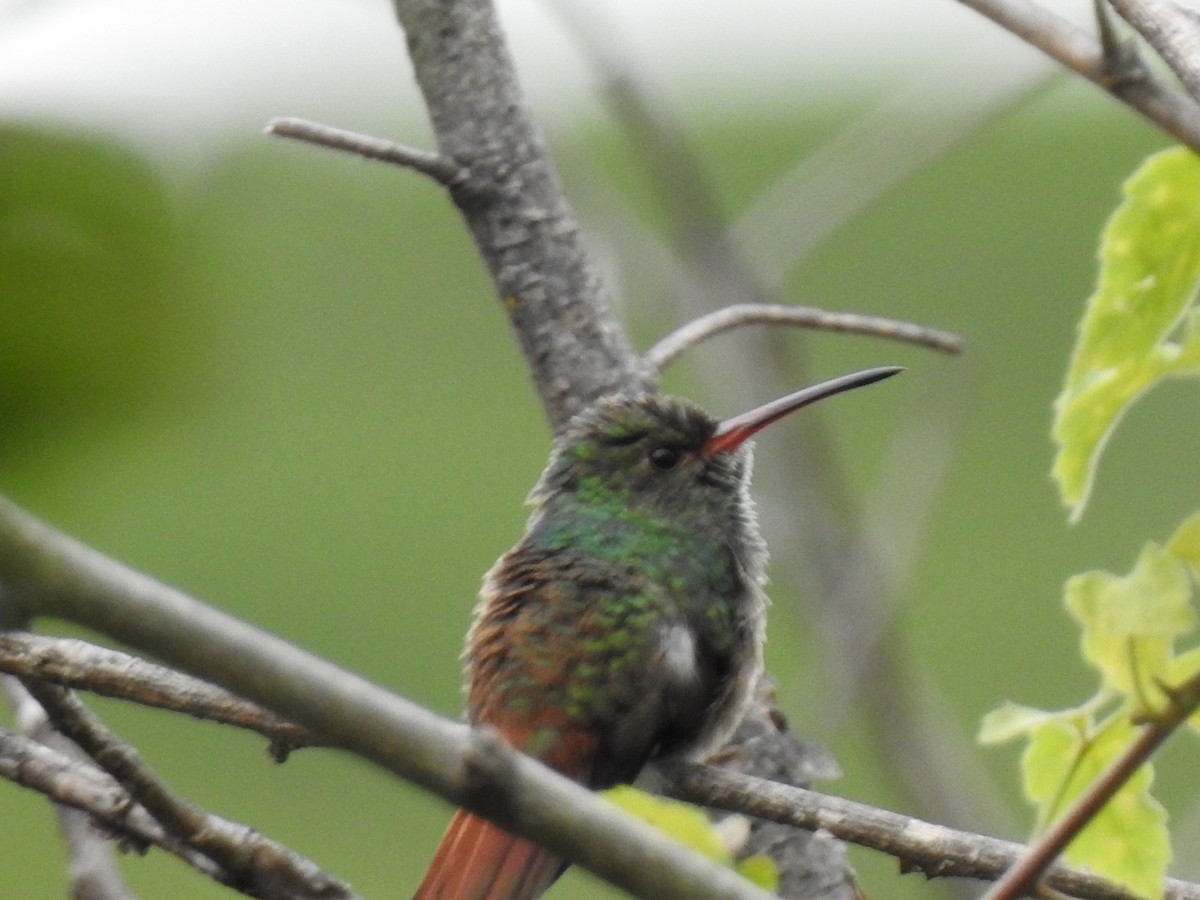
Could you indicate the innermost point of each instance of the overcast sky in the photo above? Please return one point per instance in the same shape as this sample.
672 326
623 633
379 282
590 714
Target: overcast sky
159 71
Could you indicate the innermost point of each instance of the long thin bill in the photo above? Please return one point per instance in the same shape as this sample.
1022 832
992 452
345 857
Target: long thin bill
732 432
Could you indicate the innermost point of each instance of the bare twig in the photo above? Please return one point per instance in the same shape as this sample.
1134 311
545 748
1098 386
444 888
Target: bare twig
1025 872
920 846
110 673
258 866
673 345
1172 31
91 865
1170 109
442 169
81 786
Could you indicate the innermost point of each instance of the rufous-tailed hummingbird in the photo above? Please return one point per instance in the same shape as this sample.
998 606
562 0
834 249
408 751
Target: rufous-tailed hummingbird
628 623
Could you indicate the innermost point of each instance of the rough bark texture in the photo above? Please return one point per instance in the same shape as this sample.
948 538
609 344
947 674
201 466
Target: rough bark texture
576 350
515 209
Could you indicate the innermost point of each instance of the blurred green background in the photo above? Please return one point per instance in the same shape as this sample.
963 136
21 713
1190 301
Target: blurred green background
277 378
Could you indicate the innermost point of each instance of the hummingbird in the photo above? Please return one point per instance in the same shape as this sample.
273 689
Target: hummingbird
627 624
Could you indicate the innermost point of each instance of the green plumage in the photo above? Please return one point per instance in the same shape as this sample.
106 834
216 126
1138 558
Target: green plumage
627 624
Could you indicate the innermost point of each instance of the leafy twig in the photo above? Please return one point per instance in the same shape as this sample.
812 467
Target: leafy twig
1025 872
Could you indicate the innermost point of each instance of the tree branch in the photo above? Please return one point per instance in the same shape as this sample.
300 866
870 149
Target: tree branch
936 851
441 169
1133 85
45 573
260 867
667 350
91 865
81 786
1172 31
515 209
77 664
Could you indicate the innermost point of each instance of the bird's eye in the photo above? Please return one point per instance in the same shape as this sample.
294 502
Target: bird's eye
664 458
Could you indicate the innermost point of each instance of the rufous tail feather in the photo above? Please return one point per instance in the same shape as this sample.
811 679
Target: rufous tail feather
479 861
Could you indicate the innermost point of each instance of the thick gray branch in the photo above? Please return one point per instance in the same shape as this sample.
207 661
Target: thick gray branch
526 232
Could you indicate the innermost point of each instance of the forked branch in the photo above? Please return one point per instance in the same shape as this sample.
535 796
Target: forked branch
1125 78
80 785
241 856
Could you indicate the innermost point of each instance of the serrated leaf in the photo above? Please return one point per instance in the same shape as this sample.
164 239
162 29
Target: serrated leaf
1184 544
1149 268
1130 622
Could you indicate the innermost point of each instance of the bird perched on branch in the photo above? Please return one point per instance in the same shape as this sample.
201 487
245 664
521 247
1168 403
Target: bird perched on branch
628 622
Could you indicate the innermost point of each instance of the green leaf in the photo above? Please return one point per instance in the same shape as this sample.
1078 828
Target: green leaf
1149 268
1046 766
691 827
1011 721
1127 840
1184 544
1130 623
760 870
1183 668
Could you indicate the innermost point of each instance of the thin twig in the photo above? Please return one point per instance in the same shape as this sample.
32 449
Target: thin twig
110 673
1025 872
79 785
442 169
670 347
1170 109
91 865
935 850
259 866
1171 31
